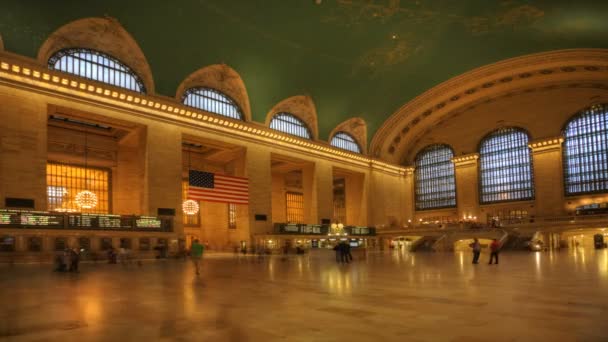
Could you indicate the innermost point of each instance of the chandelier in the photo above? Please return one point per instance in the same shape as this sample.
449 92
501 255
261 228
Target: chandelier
85 199
190 207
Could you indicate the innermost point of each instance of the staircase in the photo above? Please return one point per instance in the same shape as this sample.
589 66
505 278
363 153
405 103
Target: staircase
517 241
424 244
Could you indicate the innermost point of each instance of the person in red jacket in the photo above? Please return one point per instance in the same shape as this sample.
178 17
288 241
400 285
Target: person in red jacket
494 248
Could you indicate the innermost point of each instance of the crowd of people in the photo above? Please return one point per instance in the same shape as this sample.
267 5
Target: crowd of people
343 254
67 260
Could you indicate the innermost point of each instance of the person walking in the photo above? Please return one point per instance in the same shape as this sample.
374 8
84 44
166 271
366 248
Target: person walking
196 253
348 256
476 246
338 253
494 249
344 252
74 259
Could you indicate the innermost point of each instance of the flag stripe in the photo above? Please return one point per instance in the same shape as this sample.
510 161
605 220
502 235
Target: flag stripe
206 186
219 192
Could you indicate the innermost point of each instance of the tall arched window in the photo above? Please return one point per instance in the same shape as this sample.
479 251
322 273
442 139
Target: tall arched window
96 66
505 166
586 152
435 181
213 101
290 124
346 142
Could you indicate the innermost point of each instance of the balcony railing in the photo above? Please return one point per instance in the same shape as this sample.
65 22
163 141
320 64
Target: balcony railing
80 221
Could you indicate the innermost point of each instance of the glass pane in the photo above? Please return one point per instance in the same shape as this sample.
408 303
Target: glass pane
346 142
212 101
586 152
435 180
505 167
289 124
97 66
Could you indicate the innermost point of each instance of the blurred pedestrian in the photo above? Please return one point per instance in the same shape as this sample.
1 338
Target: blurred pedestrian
196 253
476 246
494 249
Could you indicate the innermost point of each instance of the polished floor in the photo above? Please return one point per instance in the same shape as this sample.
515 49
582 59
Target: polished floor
390 296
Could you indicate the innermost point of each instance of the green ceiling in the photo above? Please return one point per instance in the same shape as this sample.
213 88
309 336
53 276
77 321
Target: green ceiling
354 57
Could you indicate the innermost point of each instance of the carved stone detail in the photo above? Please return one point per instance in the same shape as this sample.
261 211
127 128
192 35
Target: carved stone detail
222 78
303 107
101 34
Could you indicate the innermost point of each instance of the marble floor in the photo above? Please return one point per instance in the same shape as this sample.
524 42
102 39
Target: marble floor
384 296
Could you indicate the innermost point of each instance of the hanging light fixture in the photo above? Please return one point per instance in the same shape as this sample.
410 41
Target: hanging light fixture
85 199
190 207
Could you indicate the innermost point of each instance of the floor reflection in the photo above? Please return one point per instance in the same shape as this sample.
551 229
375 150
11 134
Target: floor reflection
379 296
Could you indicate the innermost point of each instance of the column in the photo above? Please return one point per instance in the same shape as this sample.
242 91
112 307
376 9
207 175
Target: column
258 170
324 189
467 185
23 146
410 195
548 176
163 171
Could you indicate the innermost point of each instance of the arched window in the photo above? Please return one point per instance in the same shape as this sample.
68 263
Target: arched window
346 142
213 101
586 152
289 124
96 66
435 181
505 166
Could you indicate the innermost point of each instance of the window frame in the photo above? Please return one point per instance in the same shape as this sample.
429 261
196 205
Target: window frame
101 66
289 214
228 101
490 135
344 137
596 135
287 124
232 215
425 150
88 211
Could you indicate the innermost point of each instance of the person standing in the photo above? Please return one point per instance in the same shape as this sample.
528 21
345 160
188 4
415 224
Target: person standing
494 249
74 259
476 246
348 256
338 253
196 253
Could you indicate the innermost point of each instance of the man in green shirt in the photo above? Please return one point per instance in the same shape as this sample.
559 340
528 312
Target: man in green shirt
196 253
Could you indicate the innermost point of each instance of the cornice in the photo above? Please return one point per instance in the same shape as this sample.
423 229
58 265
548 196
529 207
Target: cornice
480 82
546 144
19 70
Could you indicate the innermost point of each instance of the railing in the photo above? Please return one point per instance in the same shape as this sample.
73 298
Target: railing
51 220
318 229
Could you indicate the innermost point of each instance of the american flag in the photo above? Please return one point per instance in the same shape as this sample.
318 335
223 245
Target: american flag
209 187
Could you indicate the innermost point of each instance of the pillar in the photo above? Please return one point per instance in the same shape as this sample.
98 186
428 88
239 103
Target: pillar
258 170
410 195
163 171
548 176
467 186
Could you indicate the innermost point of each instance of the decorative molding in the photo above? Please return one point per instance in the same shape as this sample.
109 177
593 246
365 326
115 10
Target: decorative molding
222 78
357 128
30 75
465 160
102 34
484 84
303 107
546 144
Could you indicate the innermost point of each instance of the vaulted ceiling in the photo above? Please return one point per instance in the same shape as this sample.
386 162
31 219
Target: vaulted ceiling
362 58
